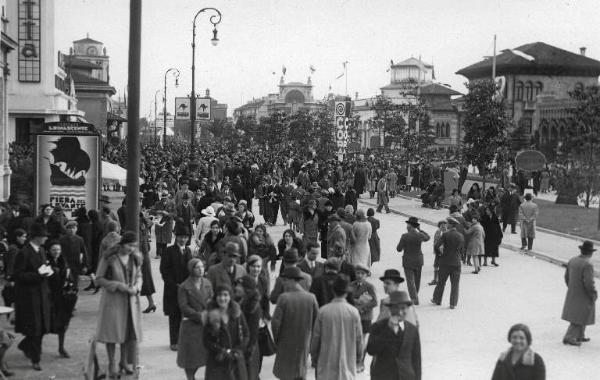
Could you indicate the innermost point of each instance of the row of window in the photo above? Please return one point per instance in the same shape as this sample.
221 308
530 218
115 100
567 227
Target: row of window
442 130
528 90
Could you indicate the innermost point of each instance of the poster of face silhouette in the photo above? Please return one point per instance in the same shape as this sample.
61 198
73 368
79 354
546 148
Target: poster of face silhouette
67 171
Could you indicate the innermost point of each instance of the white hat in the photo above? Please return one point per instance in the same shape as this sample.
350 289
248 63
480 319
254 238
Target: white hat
208 211
471 200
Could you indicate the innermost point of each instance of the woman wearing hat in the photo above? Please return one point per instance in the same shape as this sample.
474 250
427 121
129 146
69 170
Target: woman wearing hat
261 244
119 315
519 362
204 224
248 297
365 300
209 246
193 296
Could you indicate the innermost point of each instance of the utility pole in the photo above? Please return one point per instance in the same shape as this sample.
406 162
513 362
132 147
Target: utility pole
133 117
494 61
155 123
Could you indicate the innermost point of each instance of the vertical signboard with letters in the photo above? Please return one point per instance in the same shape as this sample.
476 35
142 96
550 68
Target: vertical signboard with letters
68 166
29 41
182 108
341 113
203 108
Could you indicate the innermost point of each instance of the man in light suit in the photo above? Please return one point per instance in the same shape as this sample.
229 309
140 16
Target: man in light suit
395 344
228 271
580 303
528 212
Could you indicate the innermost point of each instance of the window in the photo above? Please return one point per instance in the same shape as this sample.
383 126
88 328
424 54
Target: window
438 130
528 91
544 135
29 41
538 88
447 130
24 127
92 50
519 91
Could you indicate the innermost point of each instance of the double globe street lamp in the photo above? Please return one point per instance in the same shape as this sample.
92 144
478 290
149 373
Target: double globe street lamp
215 19
176 75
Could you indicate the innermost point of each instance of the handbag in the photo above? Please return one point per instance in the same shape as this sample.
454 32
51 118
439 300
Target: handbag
266 345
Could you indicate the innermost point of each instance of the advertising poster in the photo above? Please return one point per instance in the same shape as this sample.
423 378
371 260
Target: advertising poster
203 109
182 108
67 171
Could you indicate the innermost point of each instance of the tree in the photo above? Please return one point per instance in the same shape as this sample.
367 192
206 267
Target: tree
273 129
486 125
389 119
580 149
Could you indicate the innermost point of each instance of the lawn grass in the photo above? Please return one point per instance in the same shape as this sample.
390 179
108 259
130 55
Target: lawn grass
569 219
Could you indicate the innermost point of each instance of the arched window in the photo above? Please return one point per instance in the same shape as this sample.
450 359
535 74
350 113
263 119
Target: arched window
519 91
562 130
544 134
447 130
554 132
437 130
528 91
538 88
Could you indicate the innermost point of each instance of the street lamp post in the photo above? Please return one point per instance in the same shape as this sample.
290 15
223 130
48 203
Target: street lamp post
155 124
176 74
214 19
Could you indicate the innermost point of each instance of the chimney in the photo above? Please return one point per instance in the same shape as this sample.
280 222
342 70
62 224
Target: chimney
207 93
582 50
356 95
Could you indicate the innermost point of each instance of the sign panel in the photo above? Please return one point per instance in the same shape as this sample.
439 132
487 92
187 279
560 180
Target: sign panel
67 171
530 160
182 108
203 109
341 112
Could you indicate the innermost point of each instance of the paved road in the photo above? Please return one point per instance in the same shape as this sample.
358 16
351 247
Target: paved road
457 344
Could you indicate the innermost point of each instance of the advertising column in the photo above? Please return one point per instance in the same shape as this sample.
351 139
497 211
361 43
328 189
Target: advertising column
341 114
68 166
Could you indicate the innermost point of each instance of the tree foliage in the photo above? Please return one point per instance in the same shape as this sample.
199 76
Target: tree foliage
486 126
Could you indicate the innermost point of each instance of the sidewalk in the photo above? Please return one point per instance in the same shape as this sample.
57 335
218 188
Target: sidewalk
557 249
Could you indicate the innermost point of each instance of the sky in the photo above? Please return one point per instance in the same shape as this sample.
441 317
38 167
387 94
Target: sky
258 37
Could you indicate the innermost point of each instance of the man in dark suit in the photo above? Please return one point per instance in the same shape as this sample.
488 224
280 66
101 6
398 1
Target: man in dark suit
345 267
173 269
74 251
32 294
310 265
228 271
290 259
412 260
186 214
449 261
395 344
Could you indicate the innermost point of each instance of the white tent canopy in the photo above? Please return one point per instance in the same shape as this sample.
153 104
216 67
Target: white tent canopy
112 173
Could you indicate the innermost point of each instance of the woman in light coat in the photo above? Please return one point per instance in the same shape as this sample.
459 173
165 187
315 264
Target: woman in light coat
475 237
119 274
360 252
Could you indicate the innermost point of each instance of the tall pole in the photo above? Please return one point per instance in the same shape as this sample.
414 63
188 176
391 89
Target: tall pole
494 60
155 123
133 117
214 19
176 73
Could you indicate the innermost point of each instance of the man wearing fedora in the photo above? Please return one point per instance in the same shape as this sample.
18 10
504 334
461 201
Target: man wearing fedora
412 260
365 300
290 260
336 345
580 304
395 344
292 324
32 294
185 214
449 248
383 197
173 269
391 283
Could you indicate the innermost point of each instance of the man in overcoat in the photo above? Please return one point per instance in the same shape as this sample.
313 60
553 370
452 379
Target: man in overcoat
228 271
292 326
580 303
453 243
509 204
32 295
383 197
528 213
395 344
173 269
412 259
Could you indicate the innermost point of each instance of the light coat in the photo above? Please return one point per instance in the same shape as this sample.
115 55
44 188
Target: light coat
337 341
116 304
528 213
580 303
292 325
360 253
475 240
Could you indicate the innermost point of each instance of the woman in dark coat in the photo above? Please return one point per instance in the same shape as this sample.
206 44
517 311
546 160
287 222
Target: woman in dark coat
288 241
374 242
63 295
261 244
247 295
193 296
96 233
519 362
147 282
493 234
208 247
225 338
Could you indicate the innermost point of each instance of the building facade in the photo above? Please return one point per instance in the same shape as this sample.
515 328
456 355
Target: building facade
409 79
539 78
38 89
88 64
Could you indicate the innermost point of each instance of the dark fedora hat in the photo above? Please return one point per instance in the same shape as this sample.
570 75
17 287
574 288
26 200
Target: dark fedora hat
413 221
392 274
38 230
587 246
128 237
398 298
182 231
293 273
291 256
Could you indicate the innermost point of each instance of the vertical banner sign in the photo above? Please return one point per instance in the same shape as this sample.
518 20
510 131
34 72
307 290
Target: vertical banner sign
182 108
341 113
203 109
68 166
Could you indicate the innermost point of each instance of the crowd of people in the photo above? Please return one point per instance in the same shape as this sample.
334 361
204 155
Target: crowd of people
217 262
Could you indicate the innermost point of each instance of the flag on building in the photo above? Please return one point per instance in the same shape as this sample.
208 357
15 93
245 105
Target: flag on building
312 69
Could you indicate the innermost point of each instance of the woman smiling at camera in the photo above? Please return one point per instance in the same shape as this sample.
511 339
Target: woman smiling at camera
519 362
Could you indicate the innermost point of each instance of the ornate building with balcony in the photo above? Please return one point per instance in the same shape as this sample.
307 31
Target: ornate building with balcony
539 78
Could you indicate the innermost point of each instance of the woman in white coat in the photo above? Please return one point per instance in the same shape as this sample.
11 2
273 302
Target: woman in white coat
360 252
475 237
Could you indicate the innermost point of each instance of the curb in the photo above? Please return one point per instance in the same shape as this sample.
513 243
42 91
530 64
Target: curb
511 247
